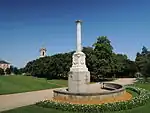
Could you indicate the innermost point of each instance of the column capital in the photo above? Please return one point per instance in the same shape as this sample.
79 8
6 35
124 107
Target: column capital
78 21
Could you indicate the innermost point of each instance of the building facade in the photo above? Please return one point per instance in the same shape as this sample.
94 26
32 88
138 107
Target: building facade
4 65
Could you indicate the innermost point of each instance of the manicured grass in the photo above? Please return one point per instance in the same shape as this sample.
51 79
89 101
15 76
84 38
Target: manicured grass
18 84
59 82
143 85
36 109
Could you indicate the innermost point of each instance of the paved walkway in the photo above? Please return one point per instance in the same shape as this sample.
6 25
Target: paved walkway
12 101
23 99
124 81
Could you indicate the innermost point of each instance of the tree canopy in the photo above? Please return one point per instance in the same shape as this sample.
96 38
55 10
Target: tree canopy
143 62
1 71
100 60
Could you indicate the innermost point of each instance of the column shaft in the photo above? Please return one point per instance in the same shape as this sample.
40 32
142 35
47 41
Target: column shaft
78 36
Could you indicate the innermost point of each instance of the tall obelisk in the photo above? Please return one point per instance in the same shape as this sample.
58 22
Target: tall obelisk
79 76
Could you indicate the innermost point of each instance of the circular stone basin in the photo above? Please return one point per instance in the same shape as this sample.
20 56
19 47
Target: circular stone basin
96 92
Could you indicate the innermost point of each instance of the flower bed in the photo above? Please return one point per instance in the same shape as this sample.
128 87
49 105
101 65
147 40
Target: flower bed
142 98
123 97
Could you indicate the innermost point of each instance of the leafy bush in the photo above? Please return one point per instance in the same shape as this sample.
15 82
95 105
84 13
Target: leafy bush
141 99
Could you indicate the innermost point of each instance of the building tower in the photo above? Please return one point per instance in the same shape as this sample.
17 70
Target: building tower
43 52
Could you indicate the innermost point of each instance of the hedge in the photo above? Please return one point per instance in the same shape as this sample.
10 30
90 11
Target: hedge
142 98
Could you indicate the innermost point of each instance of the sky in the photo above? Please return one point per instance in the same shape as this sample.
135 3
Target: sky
28 25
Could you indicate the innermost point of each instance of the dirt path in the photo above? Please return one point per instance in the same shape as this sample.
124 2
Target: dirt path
12 101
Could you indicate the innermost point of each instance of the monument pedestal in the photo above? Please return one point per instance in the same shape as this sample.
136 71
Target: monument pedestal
79 87
79 76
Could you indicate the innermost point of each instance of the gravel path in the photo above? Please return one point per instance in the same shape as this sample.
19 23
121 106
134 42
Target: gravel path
12 101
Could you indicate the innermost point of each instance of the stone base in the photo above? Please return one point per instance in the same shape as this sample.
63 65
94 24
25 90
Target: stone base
100 95
90 97
78 81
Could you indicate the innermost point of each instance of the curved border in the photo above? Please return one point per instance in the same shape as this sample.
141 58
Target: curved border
119 88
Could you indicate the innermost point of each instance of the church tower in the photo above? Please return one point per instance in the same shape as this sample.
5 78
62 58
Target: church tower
43 52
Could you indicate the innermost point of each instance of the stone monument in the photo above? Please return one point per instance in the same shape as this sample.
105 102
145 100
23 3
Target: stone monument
79 76
79 90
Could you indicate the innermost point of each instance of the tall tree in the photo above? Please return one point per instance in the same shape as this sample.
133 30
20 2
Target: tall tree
1 71
103 47
142 61
146 71
91 61
104 53
142 58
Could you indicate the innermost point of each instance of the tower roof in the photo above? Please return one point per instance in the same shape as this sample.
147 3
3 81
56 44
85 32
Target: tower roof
3 62
43 49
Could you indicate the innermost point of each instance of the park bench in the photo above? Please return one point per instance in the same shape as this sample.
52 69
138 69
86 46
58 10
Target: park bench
108 86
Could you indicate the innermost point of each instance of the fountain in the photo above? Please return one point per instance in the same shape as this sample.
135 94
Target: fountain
79 87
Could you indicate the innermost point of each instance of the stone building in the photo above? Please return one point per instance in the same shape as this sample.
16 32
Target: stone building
43 52
4 65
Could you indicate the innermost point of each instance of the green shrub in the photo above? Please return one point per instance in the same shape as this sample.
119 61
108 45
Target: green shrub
141 99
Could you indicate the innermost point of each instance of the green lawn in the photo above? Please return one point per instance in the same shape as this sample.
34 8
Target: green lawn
145 86
36 109
134 94
17 84
59 82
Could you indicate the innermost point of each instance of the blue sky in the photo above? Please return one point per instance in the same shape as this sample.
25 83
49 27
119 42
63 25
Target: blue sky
28 25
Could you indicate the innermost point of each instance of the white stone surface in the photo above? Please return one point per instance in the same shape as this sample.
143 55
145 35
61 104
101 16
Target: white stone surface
79 76
78 22
79 60
42 52
78 82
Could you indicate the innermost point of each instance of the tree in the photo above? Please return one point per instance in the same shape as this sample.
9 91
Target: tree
104 54
17 71
144 50
91 60
131 68
8 71
103 47
50 67
142 61
138 54
146 71
1 71
100 60
119 64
